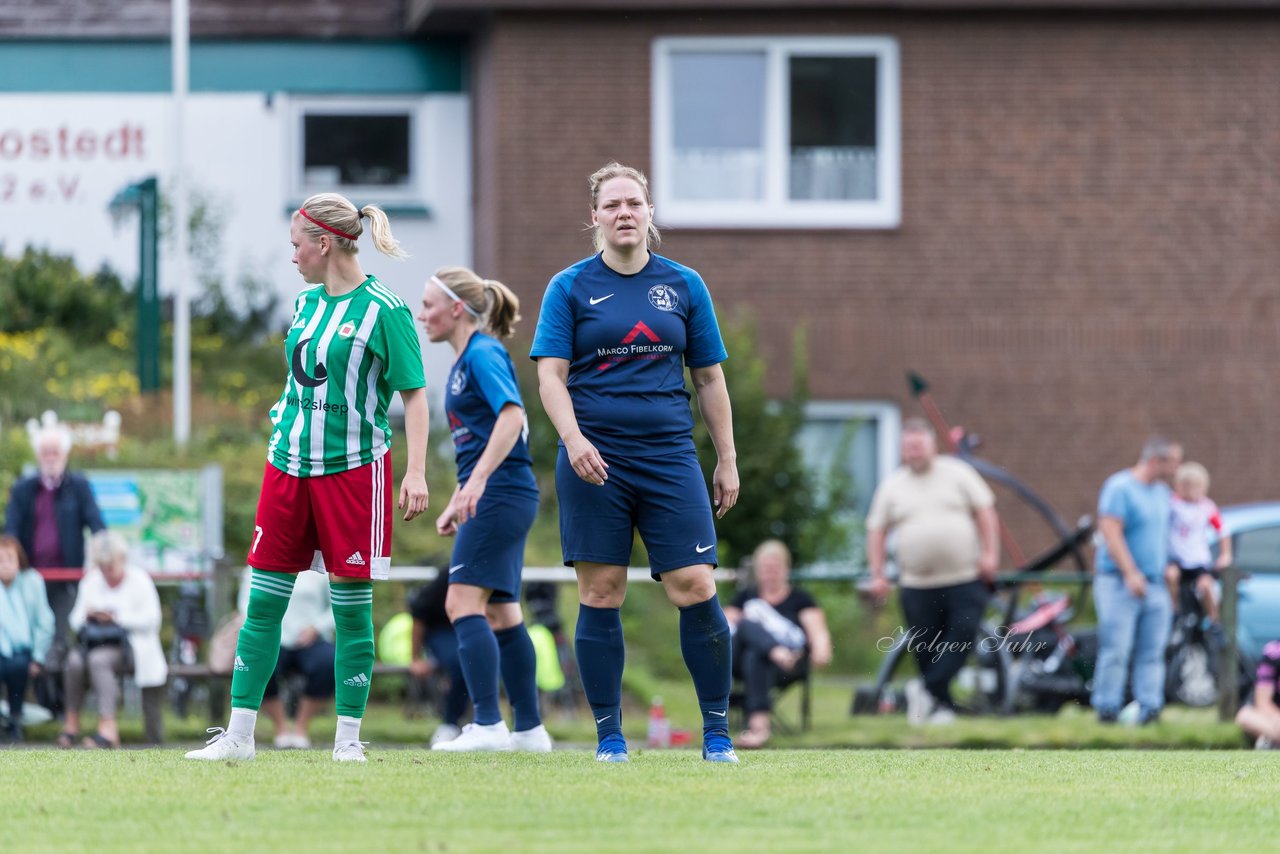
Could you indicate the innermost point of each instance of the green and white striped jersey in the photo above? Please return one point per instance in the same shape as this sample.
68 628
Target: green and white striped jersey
346 356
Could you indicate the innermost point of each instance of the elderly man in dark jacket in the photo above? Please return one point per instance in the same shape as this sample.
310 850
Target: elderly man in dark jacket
48 513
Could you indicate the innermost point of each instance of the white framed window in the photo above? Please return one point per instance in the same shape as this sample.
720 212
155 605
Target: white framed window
790 132
857 441
369 149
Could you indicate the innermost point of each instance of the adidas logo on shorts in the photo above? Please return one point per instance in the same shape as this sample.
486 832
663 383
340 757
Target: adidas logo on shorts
355 560
357 681
240 665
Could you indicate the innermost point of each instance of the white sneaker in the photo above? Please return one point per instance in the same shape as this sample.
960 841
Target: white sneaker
941 716
222 746
1263 743
443 733
349 751
494 737
920 703
292 741
535 740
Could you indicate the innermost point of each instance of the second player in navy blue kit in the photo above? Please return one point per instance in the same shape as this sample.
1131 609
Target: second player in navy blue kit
614 336
490 512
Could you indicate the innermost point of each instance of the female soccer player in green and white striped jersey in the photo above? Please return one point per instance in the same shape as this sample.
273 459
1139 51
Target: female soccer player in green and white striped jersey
326 492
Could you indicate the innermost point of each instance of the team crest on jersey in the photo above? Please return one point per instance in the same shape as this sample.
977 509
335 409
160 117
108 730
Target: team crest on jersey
347 329
663 297
458 382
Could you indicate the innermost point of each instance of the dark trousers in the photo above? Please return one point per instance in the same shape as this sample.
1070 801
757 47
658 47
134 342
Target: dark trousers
14 671
942 625
443 646
62 598
314 662
759 674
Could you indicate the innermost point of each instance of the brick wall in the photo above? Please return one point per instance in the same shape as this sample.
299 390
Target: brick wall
1090 237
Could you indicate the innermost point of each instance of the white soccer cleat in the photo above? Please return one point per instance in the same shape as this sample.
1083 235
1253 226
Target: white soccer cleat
535 740
474 738
349 751
443 733
223 746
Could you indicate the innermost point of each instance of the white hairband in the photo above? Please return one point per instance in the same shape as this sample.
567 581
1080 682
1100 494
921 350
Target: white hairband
471 311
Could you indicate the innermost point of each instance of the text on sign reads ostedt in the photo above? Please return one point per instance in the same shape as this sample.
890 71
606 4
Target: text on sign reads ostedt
62 144
65 143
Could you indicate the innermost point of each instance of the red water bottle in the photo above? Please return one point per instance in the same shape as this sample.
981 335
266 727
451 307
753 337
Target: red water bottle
659 725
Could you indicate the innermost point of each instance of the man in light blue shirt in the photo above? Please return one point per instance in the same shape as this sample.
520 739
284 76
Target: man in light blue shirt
1133 604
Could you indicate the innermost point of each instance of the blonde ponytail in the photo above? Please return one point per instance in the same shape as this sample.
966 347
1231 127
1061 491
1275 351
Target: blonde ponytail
334 216
492 303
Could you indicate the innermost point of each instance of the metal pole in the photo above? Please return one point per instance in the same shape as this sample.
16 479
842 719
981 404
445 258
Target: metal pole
180 39
1229 666
148 297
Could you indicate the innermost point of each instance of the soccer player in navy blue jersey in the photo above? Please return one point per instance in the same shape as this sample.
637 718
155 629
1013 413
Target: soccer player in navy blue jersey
490 512
614 335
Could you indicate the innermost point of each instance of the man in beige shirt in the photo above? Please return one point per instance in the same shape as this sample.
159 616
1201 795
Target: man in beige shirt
947 537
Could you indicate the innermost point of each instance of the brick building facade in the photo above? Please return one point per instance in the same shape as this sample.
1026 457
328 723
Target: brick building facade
1089 237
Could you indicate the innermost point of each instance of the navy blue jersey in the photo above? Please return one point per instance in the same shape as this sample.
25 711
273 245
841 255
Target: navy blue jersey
481 382
628 339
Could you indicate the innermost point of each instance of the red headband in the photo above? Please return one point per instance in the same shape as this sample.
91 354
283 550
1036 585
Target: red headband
309 218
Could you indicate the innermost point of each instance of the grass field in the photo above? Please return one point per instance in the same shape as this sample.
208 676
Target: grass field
793 800
1074 728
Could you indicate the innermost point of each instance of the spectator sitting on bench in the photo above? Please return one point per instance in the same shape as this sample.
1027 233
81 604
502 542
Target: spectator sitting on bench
117 620
26 628
306 648
778 632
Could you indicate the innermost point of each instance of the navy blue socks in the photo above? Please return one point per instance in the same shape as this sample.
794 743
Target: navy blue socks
519 675
704 641
601 654
478 654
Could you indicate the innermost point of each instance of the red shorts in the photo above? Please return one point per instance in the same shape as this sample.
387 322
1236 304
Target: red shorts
340 523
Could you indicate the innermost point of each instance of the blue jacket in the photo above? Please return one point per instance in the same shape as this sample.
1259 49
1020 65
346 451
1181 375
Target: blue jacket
29 587
74 506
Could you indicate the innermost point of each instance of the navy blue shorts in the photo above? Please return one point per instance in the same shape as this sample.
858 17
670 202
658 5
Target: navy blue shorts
489 549
664 498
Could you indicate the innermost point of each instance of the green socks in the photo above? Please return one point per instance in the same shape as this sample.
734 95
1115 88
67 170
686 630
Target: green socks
258 646
353 659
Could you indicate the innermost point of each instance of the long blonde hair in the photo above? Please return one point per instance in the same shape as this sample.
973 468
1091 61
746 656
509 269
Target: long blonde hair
339 214
617 170
490 301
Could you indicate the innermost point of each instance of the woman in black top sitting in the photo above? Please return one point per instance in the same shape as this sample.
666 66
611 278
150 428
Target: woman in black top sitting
779 631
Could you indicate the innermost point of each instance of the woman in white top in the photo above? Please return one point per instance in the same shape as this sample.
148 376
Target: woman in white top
112 593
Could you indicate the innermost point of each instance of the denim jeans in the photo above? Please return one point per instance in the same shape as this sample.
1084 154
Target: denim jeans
1130 629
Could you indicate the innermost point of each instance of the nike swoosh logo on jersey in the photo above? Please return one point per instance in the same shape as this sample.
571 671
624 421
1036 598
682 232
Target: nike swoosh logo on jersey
595 300
454 569
701 548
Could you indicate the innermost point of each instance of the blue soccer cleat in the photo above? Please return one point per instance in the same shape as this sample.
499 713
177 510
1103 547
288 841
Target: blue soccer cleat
613 748
716 747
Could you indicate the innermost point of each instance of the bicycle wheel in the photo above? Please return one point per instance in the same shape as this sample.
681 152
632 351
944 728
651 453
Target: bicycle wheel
1191 676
